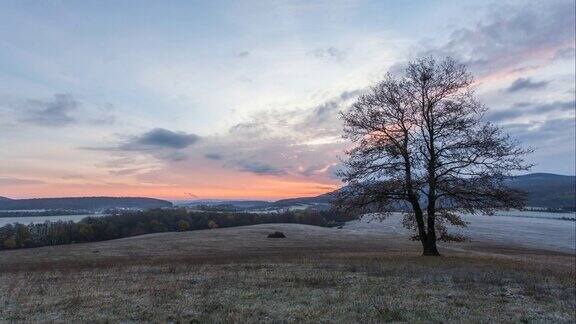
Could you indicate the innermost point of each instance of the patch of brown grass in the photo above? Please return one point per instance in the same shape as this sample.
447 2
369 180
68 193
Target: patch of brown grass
364 288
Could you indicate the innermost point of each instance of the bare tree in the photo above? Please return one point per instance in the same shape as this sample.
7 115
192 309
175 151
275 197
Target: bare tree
422 144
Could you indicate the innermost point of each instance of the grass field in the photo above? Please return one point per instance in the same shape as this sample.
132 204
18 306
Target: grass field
315 275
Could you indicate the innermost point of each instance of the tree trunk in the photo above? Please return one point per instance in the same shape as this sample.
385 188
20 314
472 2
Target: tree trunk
430 248
419 219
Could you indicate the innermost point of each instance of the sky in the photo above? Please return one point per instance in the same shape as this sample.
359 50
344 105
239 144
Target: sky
240 99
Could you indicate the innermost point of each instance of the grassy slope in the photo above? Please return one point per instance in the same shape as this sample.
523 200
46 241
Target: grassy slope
237 275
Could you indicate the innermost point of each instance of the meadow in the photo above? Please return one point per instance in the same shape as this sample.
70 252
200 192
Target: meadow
314 275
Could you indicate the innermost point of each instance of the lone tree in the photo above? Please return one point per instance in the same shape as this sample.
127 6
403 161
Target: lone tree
422 144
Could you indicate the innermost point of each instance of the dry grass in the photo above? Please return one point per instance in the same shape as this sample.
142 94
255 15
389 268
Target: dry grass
328 288
314 275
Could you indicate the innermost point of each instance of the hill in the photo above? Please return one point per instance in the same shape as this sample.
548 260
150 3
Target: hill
248 204
547 190
544 190
322 199
84 203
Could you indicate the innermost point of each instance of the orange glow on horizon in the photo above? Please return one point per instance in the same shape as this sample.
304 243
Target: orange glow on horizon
265 190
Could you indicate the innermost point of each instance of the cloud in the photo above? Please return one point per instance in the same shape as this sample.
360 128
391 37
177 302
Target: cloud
9 181
243 54
346 95
122 172
137 154
174 156
103 115
511 36
254 128
259 168
555 134
297 142
324 118
160 138
54 113
329 53
553 141
60 110
73 177
567 53
524 109
213 156
521 84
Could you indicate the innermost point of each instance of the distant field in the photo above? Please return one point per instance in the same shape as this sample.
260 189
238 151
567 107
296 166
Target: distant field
315 274
41 219
504 229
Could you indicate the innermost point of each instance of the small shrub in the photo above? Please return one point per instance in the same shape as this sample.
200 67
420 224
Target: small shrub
276 235
183 225
212 224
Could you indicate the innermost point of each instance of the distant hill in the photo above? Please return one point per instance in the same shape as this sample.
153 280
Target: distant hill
322 199
236 203
86 203
262 204
544 190
4 199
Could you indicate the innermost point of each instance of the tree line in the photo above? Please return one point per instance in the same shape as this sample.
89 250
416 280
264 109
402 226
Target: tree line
40 213
92 229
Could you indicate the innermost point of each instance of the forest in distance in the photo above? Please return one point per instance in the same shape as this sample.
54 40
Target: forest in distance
132 223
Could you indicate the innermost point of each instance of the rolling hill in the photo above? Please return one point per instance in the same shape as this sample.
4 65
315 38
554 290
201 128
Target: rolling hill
544 190
84 203
248 204
321 199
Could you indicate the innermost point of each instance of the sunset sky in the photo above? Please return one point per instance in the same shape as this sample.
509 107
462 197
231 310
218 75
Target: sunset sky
240 99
